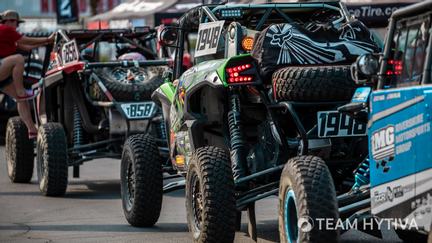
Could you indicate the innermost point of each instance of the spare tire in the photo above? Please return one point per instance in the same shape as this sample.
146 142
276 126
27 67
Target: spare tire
124 91
313 83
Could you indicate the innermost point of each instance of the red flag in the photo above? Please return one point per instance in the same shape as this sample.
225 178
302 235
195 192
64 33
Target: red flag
44 6
83 6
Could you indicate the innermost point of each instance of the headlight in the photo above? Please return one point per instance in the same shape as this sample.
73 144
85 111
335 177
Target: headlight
367 65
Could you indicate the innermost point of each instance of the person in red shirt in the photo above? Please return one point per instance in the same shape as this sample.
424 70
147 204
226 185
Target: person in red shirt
12 65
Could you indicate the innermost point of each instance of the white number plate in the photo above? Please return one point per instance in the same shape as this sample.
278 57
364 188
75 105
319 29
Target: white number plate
335 124
69 52
208 38
138 110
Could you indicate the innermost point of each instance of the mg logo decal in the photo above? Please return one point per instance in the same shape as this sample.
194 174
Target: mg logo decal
383 143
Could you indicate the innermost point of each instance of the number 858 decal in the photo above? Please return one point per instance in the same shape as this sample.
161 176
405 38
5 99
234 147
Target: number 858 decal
335 124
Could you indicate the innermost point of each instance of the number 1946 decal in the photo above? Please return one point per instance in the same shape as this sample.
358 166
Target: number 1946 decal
335 124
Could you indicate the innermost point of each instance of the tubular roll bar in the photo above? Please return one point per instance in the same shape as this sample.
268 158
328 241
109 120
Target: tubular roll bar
148 63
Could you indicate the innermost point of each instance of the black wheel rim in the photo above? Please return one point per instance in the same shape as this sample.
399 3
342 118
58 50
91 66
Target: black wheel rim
130 184
197 203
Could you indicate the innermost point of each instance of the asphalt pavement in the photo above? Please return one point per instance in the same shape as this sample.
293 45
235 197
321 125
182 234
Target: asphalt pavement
91 211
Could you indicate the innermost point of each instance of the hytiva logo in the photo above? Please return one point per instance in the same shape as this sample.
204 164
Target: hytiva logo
383 143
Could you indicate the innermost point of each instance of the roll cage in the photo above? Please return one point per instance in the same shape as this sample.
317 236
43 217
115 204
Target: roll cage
85 38
91 38
416 10
252 16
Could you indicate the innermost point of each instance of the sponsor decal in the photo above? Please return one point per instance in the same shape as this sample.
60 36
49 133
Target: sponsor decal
296 47
378 98
397 139
374 15
383 143
390 194
391 96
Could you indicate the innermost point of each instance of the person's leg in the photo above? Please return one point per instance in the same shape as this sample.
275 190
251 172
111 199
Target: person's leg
18 74
6 66
14 66
23 109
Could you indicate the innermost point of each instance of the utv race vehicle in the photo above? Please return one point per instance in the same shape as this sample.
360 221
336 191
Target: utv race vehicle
265 85
397 173
86 109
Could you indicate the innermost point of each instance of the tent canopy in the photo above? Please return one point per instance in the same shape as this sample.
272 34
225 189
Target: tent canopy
134 9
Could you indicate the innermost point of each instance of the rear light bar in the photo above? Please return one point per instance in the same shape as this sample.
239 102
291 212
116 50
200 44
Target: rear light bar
236 75
396 67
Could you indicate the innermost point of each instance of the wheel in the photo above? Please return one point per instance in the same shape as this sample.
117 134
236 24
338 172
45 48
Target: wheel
122 90
51 159
19 151
141 181
412 236
311 83
210 199
306 193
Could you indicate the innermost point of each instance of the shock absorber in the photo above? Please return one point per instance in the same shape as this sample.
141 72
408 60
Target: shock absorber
77 127
238 145
361 175
77 136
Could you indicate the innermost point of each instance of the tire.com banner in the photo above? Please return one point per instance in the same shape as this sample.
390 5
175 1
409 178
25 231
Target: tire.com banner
375 15
67 11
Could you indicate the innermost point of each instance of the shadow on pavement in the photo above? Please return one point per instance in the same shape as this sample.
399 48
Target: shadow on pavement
32 193
107 189
99 189
160 227
177 193
266 229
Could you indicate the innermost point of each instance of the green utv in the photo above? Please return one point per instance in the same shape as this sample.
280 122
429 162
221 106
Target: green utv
266 81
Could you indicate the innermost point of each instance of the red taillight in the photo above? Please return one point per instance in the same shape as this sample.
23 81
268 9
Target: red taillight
396 67
235 74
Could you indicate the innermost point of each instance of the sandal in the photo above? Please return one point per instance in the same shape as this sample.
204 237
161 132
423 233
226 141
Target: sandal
32 135
28 96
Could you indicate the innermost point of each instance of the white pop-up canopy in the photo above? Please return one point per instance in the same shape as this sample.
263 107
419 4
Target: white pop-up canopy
134 9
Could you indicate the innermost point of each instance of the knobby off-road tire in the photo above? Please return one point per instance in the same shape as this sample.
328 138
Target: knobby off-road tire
210 199
429 240
306 192
412 236
52 165
313 83
141 181
19 151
